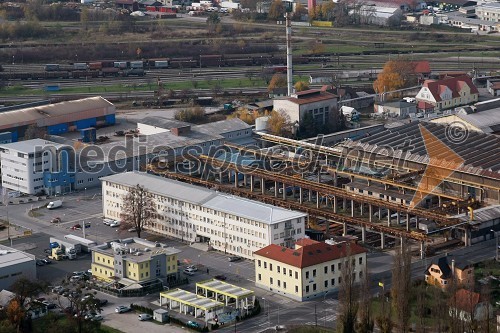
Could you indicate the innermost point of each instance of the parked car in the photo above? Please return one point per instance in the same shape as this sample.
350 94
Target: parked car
97 317
103 302
192 267
115 224
122 309
234 258
49 305
57 289
56 220
145 316
189 272
76 227
134 229
108 221
40 262
192 324
221 277
47 261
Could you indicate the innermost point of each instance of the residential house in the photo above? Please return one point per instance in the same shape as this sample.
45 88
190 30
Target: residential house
441 273
401 109
310 270
134 261
467 305
493 87
446 94
322 106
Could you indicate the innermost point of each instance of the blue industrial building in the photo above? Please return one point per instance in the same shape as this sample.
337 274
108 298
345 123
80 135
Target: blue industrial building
57 118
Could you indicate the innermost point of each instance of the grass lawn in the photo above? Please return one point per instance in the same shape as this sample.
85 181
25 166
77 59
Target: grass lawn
311 329
61 323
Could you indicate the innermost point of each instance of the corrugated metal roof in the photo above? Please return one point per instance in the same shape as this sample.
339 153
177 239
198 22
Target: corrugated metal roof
253 210
484 214
41 115
28 146
222 127
483 120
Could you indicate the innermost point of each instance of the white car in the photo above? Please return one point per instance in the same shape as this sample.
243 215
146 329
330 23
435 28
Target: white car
108 221
115 224
97 317
122 309
192 267
145 316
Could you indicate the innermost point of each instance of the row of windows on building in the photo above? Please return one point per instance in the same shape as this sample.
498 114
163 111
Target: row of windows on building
280 269
10 275
12 161
313 288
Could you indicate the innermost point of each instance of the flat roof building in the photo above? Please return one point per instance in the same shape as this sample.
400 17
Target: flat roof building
15 264
195 214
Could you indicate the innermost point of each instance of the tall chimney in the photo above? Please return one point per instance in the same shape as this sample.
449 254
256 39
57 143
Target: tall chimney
289 78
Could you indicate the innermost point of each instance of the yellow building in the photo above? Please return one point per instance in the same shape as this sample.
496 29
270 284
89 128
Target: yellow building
134 260
308 271
440 273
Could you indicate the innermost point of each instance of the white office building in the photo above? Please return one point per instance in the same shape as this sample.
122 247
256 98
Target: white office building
195 214
36 166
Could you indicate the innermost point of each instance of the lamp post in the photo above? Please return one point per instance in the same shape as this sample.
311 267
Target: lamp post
265 313
85 193
496 244
324 306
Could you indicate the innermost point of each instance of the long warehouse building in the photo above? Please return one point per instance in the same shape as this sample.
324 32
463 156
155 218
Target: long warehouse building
191 213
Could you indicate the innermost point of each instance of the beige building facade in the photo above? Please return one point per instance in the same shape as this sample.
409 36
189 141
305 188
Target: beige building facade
310 270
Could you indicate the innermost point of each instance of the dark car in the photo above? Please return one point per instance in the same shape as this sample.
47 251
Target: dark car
192 324
221 277
47 261
40 262
232 259
56 220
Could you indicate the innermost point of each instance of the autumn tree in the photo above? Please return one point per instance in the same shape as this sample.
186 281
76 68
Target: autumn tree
279 123
327 10
213 22
139 209
25 291
245 115
16 313
348 296
401 286
277 81
300 10
301 86
396 74
277 10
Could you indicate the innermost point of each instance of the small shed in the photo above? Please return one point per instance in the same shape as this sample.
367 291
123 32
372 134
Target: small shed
160 315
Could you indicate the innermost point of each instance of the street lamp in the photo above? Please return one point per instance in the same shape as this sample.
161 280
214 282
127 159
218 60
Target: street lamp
265 313
85 196
496 246
324 305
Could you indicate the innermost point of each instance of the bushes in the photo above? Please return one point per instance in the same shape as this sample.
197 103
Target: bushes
142 309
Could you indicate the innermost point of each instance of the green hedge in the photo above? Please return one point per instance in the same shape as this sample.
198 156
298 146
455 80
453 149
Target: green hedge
141 309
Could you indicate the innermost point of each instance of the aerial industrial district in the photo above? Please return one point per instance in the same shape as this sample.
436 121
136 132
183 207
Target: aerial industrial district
320 208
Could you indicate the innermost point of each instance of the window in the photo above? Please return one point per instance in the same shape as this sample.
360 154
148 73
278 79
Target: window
340 266
360 260
340 279
265 264
314 273
307 289
332 268
278 269
326 283
258 263
332 282
260 277
271 267
296 289
296 275
314 287
279 283
284 271
326 269
270 280
360 274
307 275
284 285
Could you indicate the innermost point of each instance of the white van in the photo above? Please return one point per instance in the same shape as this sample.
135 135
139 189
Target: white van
54 204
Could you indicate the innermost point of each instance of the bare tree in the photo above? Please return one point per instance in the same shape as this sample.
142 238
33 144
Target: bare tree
383 320
348 296
34 132
138 209
401 286
485 322
365 322
439 309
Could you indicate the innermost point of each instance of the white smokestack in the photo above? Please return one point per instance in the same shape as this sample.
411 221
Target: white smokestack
289 53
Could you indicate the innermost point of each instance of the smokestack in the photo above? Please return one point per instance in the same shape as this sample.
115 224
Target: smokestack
453 267
289 78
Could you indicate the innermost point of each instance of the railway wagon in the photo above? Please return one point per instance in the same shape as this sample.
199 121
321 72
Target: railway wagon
211 60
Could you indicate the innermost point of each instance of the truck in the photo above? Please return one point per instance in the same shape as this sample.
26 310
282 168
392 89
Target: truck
67 245
66 251
56 253
54 204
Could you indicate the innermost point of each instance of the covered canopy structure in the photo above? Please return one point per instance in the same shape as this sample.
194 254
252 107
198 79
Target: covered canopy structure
227 293
189 303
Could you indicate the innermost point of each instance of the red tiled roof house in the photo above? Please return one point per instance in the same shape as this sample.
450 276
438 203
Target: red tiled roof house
310 270
446 94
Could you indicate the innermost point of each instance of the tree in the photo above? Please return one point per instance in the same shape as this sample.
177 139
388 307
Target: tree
138 209
395 75
84 17
245 115
25 291
300 11
348 295
341 14
307 126
327 10
277 81
34 132
277 10
16 313
365 322
213 21
401 287
250 4
301 86
279 123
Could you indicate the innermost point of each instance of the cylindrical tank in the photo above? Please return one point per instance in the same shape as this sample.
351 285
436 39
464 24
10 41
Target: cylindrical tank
261 124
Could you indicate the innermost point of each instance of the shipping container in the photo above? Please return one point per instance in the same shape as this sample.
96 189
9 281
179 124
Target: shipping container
136 64
120 64
80 66
95 65
161 64
51 67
